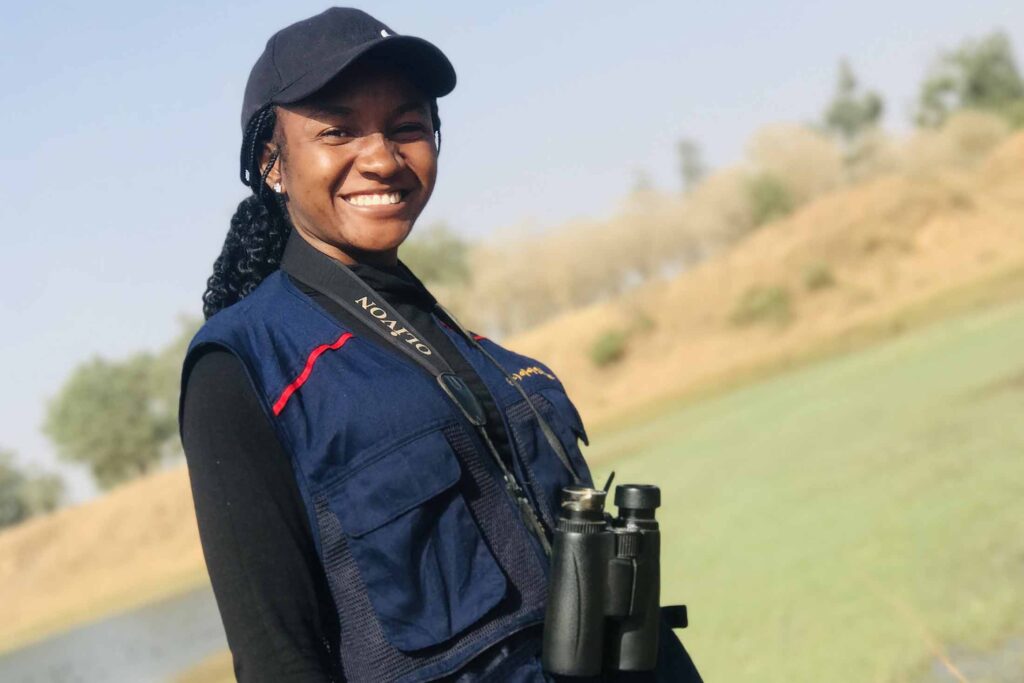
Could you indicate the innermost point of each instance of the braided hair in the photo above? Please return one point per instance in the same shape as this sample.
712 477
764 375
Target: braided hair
260 227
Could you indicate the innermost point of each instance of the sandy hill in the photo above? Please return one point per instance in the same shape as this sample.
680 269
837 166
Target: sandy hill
887 245
137 544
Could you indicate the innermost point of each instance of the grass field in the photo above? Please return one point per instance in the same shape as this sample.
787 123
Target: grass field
860 519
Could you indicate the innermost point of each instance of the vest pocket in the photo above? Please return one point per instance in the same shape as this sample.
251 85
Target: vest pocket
427 569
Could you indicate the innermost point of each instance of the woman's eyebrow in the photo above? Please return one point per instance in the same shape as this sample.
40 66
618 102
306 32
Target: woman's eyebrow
415 105
327 109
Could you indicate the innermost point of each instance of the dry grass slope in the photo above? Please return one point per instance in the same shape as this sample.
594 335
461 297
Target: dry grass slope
133 546
886 244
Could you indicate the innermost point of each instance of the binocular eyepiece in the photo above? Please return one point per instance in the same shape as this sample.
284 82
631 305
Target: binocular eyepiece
605 584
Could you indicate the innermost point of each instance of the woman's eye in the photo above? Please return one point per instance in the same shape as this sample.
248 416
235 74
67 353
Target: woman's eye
409 131
336 133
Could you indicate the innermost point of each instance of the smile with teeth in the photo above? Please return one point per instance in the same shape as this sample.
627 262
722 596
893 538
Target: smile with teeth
374 199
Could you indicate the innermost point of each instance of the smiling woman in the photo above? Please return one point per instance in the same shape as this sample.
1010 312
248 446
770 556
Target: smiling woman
357 162
376 488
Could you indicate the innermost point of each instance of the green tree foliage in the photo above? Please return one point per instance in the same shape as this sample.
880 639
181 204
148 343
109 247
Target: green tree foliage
980 74
437 255
23 495
852 111
166 372
119 418
108 416
691 163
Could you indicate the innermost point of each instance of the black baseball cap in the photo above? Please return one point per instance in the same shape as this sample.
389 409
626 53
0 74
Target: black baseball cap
302 58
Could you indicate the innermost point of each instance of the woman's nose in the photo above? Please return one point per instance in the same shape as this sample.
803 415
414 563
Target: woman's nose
379 156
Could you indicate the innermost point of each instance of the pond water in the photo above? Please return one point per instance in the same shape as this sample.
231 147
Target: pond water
151 644
1002 664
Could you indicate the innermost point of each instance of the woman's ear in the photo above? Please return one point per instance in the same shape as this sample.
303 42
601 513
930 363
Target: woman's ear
270 166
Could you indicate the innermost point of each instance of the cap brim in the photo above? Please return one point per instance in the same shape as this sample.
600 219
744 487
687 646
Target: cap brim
426 65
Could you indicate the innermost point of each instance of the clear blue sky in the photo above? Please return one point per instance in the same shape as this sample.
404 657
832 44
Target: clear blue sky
120 124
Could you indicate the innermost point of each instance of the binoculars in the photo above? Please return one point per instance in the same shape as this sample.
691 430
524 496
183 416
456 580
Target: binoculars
604 590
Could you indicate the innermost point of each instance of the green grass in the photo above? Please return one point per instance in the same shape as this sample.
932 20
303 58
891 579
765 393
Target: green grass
848 520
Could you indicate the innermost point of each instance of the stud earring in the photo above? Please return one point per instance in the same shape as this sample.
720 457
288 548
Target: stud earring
277 188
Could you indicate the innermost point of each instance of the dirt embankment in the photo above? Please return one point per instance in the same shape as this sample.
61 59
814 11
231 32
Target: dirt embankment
886 246
850 258
135 545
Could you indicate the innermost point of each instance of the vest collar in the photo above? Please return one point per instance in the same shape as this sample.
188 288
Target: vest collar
397 284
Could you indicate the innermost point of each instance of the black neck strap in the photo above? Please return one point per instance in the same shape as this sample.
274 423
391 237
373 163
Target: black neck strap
549 434
337 282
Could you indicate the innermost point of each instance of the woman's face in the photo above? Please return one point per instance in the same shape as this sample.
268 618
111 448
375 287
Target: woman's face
358 163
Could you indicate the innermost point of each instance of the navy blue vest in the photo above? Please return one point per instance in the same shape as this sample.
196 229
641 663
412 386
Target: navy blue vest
427 557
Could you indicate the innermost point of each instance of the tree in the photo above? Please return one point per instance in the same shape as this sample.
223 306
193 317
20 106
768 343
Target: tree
23 495
642 183
120 418
437 255
980 74
851 111
166 373
691 163
801 160
108 416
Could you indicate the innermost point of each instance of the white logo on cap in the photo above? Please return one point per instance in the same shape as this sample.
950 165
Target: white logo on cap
384 33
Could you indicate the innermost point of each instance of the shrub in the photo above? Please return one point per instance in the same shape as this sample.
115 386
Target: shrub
769 198
641 323
965 139
609 348
818 276
805 162
718 210
763 305
23 495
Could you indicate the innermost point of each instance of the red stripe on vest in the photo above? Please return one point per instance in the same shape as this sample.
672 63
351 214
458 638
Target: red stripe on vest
282 400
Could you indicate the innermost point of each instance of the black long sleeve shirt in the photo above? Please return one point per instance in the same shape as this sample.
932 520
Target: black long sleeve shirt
268 581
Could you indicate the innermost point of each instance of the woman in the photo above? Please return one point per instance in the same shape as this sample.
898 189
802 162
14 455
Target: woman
375 486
